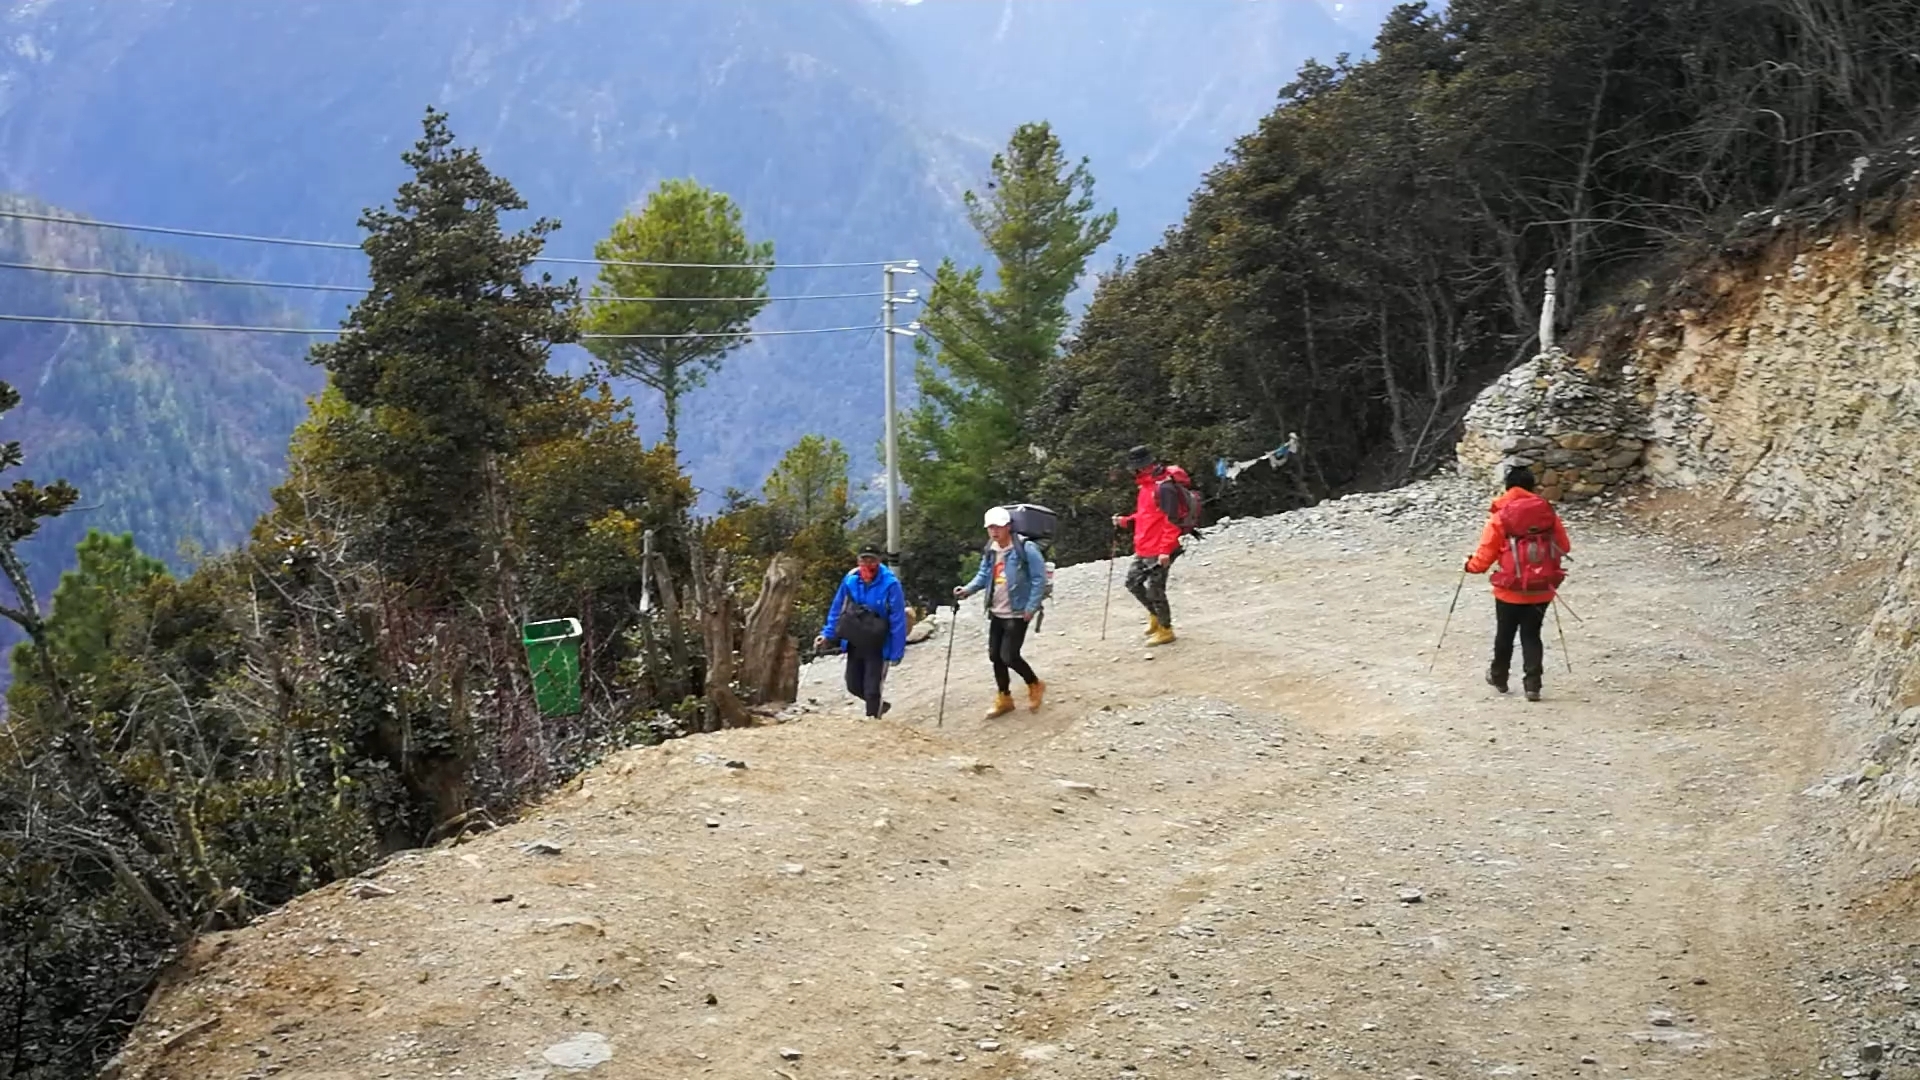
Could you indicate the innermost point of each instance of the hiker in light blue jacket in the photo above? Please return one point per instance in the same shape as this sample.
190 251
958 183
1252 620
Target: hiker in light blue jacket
869 621
1013 574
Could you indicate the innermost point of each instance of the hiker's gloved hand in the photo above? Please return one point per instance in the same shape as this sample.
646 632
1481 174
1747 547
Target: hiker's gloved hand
1467 567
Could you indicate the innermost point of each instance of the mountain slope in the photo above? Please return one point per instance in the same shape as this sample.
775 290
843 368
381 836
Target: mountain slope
288 119
175 436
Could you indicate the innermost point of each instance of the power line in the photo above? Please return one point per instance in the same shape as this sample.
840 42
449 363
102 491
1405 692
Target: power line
71 321
67 320
181 279
334 245
738 334
201 234
178 279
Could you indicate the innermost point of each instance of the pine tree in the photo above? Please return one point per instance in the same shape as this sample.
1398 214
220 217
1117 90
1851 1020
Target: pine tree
450 341
967 445
677 343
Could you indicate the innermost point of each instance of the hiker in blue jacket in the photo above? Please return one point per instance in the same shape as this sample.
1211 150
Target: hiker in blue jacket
869 621
1013 574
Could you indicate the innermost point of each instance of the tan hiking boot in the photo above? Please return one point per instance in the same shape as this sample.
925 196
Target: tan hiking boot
1036 693
1163 636
1153 625
1002 705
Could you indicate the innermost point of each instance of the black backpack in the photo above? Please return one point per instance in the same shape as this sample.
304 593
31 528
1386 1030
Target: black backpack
862 627
1031 521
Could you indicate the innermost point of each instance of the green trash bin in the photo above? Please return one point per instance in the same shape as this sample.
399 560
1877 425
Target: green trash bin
553 658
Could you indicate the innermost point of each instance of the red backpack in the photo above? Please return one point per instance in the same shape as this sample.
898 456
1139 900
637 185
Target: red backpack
1531 562
1178 500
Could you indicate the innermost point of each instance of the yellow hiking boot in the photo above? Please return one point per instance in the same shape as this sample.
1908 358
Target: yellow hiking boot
1153 625
1002 705
1162 636
1035 694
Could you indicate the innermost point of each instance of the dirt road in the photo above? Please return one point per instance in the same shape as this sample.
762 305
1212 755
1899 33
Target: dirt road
1278 848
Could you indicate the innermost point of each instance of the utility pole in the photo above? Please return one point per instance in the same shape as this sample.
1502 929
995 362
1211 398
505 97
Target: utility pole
888 330
893 420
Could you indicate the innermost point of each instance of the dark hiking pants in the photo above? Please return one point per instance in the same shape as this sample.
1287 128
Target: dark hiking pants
1525 620
1004 639
866 674
1147 581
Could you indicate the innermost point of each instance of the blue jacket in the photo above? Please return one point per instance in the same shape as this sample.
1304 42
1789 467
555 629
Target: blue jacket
883 594
1027 580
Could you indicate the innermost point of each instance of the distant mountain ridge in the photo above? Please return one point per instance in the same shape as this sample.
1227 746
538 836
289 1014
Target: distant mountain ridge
847 130
176 437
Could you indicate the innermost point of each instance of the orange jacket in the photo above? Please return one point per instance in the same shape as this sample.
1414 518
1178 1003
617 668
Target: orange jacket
1493 544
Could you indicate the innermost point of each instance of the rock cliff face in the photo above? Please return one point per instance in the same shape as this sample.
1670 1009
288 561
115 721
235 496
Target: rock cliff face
1786 385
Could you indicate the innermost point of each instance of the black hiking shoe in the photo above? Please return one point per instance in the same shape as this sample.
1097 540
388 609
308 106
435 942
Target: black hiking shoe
1498 682
1533 689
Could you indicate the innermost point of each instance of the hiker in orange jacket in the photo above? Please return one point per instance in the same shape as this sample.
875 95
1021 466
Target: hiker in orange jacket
1523 544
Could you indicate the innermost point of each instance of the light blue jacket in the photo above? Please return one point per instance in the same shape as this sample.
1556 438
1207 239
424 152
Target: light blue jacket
883 594
1026 577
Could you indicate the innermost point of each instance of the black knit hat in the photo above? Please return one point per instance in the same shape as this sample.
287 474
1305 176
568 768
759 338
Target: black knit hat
1519 476
1139 457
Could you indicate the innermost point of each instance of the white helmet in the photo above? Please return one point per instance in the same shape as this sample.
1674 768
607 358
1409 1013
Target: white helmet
998 516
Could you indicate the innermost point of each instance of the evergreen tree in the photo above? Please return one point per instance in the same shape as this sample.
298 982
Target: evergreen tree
673 343
451 339
969 443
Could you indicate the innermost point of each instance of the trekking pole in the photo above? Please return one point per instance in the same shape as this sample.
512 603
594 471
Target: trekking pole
1113 552
1561 627
953 630
1448 622
1570 611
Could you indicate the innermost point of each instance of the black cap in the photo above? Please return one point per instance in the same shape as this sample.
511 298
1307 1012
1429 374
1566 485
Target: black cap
1139 457
871 551
1520 477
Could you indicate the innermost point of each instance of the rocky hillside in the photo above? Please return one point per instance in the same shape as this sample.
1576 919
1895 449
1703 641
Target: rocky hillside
1779 384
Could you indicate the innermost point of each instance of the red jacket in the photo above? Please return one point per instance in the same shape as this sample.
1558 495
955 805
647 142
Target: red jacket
1493 544
1153 534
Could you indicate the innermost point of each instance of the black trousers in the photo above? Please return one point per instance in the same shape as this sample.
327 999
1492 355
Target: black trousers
1147 581
1004 640
866 675
1525 620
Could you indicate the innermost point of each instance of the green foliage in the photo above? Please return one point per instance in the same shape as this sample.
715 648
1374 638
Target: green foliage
681 222
968 444
184 754
81 626
803 512
450 342
1369 257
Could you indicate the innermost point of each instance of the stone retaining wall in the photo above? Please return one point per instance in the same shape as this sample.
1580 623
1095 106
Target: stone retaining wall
1581 433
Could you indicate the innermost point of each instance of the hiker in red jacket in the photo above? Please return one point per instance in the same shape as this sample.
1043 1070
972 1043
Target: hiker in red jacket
1156 540
1523 543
